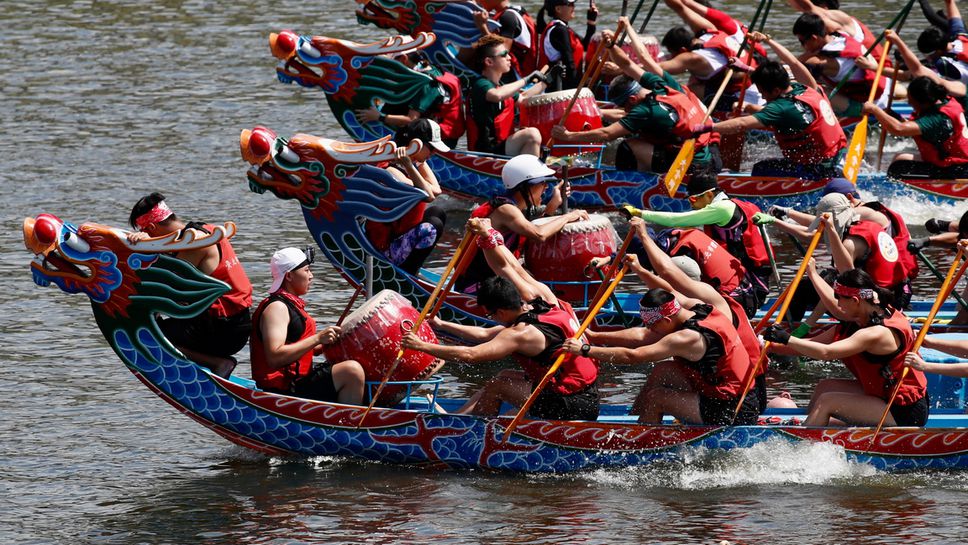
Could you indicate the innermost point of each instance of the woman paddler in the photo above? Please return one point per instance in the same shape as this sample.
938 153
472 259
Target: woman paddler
872 340
938 127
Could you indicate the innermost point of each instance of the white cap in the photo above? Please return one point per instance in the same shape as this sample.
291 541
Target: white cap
840 210
525 168
284 261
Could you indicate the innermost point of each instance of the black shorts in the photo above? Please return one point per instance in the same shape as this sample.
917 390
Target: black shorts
581 405
719 412
915 414
318 384
209 334
786 168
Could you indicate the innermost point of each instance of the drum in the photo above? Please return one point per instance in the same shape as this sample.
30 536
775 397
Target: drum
543 112
563 257
650 42
371 335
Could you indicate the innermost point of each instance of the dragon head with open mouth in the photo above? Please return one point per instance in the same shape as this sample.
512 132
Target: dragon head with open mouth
128 284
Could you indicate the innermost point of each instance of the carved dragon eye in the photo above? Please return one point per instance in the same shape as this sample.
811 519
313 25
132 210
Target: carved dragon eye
73 241
260 143
46 228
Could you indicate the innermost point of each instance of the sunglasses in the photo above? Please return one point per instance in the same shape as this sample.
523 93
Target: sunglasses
504 53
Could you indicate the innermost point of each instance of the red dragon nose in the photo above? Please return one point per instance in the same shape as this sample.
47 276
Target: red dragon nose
286 42
260 143
46 228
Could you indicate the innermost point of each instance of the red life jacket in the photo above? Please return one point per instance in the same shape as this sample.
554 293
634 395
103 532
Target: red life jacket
281 378
230 271
747 335
821 140
382 234
901 237
724 377
856 88
546 50
883 260
718 266
503 125
870 369
954 151
741 237
449 114
690 111
557 324
961 48
524 49
512 240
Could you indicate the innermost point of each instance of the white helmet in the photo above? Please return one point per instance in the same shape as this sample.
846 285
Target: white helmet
524 168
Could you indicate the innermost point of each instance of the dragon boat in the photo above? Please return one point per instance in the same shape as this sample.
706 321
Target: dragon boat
357 76
128 286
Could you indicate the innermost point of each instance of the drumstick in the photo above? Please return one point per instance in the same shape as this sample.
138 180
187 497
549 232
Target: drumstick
349 305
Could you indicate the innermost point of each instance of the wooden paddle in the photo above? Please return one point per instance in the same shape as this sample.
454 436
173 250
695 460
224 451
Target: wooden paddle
949 283
349 305
673 178
613 266
468 239
561 358
858 142
790 290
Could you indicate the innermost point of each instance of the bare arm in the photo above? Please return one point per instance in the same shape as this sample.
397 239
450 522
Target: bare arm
948 346
738 124
892 125
685 343
825 291
511 218
274 324
508 341
875 339
800 72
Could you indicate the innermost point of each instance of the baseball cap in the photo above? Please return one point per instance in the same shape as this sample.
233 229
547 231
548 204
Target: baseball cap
425 130
841 185
284 261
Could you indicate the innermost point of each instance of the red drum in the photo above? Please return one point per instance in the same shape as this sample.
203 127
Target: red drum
544 111
371 335
650 42
564 256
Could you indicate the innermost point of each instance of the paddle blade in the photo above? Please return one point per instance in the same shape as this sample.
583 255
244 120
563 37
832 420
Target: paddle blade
679 167
855 153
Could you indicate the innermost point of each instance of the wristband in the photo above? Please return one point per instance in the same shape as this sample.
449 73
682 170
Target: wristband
491 241
585 349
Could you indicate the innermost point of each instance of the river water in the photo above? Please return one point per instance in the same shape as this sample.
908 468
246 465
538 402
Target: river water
105 101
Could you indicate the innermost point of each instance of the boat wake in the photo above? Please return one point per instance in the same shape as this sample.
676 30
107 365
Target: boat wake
773 462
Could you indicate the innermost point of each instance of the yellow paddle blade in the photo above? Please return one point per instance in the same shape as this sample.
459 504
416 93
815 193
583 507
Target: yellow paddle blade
679 167
855 153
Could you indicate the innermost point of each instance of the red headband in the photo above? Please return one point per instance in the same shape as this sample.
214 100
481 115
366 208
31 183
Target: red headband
651 315
159 213
847 291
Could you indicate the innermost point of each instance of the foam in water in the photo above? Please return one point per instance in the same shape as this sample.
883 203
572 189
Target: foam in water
772 462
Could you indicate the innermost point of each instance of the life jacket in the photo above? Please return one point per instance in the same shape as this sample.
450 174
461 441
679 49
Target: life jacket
524 46
858 87
721 376
727 45
501 127
747 335
867 39
449 114
878 374
557 324
719 268
690 112
301 325
883 260
230 271
821 140
954 151
741 237
382 234
547 54
901 236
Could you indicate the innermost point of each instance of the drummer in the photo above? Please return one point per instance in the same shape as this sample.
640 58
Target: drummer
659 115
534 323
799 114
284 340
525 180
726 220
491 104
516 27
872 340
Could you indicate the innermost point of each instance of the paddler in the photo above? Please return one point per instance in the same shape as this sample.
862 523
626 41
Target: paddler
212 338
809 135
516 27
837 21
872 340
525 180
491 104
726 220
955 347
947 50
709 362
559 45
659 115
285 338
533 326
